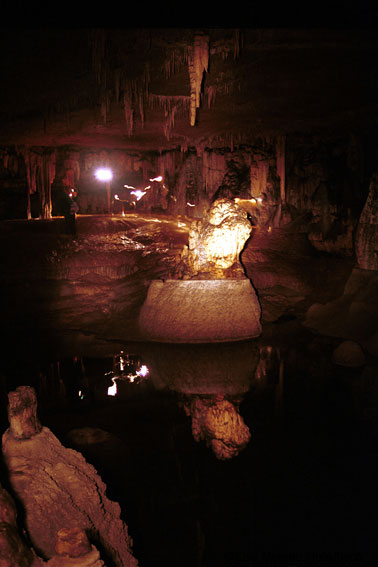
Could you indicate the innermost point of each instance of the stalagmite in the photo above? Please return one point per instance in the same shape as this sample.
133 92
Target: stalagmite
22 413
57 488
74 550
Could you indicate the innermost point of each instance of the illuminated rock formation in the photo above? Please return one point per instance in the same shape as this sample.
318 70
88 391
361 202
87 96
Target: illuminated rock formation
73 549
216 241
209 298
58 489
219 424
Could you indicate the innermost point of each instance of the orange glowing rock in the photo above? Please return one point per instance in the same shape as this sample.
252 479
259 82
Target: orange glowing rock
218 422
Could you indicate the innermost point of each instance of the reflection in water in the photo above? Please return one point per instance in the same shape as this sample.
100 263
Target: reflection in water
219 424
210 380
127 367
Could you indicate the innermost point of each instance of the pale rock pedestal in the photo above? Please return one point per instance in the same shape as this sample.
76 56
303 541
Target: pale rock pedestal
200 311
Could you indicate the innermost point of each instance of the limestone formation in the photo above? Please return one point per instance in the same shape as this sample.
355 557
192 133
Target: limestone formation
58 489
366 243
349 353
13 550
353 315
216 241
73 549
218 423
22 413
200 311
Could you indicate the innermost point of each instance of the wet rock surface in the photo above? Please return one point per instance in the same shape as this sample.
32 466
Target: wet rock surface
58 489
62 294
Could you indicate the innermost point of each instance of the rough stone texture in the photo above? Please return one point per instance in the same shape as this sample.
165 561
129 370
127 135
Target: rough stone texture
216 241
366 243
353 315
220 425
59 489
91 559
22 413
13 549
200 311
349 353
72 542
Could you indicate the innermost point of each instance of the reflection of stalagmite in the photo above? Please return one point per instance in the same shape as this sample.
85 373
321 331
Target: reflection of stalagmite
57 488
219 424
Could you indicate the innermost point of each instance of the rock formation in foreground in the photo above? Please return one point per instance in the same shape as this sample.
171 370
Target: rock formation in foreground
57 488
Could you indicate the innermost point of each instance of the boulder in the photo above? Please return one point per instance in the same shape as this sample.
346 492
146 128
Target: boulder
348 353
58 489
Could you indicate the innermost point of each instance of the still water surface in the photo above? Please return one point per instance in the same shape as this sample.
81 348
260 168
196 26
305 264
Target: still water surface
301 491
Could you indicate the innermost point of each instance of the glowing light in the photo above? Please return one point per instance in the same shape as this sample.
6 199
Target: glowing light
116 197
112 390
129 187
143 370
159 178
138 193
259 199
104 174
190 204
270 229
253 201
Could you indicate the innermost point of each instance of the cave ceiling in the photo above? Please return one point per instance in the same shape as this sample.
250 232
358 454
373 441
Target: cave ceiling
134 87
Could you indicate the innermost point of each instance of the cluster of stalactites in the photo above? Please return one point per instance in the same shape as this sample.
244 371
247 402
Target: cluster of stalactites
136 96
40 173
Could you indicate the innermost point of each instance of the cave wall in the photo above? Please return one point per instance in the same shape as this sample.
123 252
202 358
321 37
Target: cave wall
319 183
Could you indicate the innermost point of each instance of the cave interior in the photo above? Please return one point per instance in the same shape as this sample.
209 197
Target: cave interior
279 119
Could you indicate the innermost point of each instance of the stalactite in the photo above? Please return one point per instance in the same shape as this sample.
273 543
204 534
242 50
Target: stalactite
198 64
172 106
211 93
40 173
141 109
117 83
280 162
129 114
97 45
237 43
213 169
47 177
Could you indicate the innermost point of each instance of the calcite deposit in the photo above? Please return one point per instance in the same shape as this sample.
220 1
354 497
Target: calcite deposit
58 489
215 243
14 549
218 423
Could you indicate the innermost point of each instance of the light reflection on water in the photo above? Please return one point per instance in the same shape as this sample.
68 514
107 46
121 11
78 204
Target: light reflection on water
298 478
209 381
